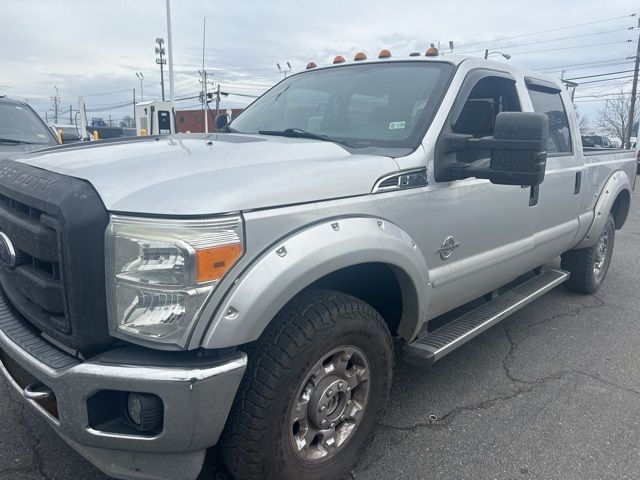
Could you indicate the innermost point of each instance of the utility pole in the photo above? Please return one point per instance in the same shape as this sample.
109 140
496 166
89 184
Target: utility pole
203 73
170 44
204 97
140 77
218 100
56 104
284 70
135 121
160 60
634 91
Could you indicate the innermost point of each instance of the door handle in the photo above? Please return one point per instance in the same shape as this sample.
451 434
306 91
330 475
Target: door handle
578 184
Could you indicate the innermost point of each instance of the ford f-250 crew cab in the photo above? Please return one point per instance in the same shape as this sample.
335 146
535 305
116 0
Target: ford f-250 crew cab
162 295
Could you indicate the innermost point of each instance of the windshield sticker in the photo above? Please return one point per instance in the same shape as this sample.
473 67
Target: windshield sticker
41 135
396 125
18 108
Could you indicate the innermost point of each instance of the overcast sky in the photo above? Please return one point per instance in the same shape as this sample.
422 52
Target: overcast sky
91 48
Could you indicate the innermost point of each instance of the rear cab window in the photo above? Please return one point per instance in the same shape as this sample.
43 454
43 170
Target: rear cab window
547 99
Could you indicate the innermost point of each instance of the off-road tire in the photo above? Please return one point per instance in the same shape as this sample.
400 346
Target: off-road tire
256 442
580 263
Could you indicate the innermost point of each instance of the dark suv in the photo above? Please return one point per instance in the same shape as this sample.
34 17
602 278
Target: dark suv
21 129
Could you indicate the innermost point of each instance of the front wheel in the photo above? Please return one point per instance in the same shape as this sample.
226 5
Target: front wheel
588 266
317 384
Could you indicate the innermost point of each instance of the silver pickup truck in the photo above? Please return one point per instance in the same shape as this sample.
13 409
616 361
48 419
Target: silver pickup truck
249 288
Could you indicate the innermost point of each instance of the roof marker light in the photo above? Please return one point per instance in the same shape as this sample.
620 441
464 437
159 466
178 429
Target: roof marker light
311 65
384 54
338 59
415 54
431 52
360 56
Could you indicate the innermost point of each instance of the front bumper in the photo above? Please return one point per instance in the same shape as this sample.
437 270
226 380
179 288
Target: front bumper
197 395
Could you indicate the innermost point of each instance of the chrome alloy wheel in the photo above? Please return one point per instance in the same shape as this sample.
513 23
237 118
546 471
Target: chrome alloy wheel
330 404
602 249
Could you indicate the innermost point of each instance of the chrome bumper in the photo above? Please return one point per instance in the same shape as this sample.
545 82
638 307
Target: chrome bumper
197 396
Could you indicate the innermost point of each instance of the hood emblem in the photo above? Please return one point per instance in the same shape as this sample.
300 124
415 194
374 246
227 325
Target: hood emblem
8 256
446 249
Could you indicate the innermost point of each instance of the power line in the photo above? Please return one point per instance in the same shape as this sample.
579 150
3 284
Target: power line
551 40
548 31
589 67
117 91
569 48
598 75
606 80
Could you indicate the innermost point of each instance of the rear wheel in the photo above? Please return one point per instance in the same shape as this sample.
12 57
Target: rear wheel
317 384
589 266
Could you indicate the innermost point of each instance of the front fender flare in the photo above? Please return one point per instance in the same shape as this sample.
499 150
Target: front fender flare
295 262
617 182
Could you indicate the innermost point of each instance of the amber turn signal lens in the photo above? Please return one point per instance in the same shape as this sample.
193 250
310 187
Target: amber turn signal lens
212 263
338 59
384 54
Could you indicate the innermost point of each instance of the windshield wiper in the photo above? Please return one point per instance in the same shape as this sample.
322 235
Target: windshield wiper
299 133
13 140
228 129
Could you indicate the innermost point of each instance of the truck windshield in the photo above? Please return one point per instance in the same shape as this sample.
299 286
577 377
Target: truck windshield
18 124
385 105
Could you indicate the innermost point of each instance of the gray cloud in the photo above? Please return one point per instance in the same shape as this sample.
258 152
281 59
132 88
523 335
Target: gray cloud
87 48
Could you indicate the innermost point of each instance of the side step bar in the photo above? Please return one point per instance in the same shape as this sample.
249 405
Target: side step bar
437 344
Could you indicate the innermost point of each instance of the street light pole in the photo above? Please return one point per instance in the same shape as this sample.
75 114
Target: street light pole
170 44
505 55
284 70
140 77
160 60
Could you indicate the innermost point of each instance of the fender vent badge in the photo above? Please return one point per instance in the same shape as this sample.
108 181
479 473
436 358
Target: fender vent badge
446 249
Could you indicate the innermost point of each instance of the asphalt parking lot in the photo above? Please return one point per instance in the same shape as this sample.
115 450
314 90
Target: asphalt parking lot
551 393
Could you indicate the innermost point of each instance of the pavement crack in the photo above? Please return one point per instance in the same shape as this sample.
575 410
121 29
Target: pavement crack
606 382
574 312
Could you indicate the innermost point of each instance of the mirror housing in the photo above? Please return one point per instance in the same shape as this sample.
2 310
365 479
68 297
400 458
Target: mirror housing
518 150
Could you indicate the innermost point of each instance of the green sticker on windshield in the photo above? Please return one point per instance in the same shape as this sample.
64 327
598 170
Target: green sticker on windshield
396 125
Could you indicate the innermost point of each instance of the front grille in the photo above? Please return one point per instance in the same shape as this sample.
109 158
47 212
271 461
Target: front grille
56 226
35 283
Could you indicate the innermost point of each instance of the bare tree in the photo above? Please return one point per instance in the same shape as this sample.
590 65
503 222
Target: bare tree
613 119
584 124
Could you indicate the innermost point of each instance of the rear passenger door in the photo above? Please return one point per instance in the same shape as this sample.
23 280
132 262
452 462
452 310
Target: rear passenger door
558 198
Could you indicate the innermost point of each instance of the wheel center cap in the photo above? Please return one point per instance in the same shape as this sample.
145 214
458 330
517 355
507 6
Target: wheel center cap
328 401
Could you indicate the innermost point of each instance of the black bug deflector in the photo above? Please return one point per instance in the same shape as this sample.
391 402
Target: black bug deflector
56 226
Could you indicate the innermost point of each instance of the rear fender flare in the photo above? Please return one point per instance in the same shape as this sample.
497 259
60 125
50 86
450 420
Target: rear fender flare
297 261
617 182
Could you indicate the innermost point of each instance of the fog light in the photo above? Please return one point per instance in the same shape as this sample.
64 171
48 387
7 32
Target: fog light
145 411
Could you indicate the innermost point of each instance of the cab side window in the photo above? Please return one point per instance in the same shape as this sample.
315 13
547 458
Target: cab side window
489 97
549 102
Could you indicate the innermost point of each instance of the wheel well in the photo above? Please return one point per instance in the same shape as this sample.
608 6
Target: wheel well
373 283
620 208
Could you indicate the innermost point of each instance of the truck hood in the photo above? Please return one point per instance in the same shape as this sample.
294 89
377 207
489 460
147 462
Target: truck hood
196 174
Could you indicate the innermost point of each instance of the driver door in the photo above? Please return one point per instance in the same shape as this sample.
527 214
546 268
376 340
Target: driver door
480 235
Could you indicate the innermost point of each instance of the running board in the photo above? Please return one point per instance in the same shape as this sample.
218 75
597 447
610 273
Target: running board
437 344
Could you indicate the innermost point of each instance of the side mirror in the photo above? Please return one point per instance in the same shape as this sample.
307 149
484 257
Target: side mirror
518 150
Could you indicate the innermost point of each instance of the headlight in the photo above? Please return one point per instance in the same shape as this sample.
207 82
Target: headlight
160 273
